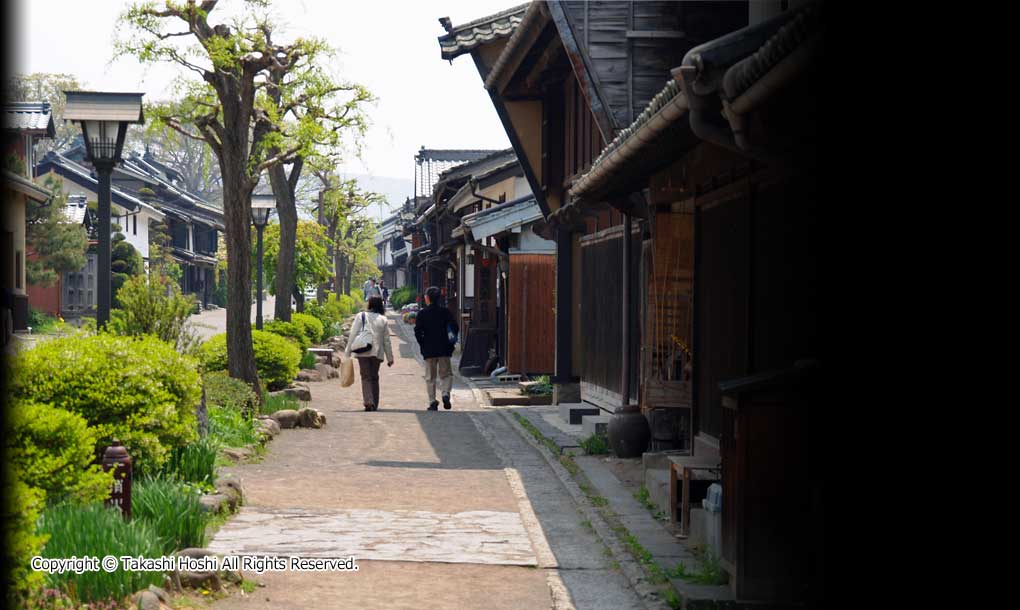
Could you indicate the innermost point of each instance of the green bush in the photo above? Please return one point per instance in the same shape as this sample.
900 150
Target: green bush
54 449
22 505
596 444
222 390
94 530
402 296
153 305
41 322
291 330
312 326
276 358
138 390
308 360
173 510
230 428
193 463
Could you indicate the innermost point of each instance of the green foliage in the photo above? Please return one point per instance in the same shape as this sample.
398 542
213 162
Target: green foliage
231 428
276 358
173 511
41 322
334 310
59 246
154 305
312 326
291 330
543 387
125 263
308 360
192 463
272 404
138 390
402 296
94 530
644 498
21 507
311 264
596 444
224 391
54 449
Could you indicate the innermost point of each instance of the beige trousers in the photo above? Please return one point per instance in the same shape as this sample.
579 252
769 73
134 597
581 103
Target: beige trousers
438 367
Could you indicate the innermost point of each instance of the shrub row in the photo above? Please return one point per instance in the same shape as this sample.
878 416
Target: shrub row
276 358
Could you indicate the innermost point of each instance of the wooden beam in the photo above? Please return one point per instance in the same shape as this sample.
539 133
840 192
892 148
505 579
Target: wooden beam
548 56
656 34
518 53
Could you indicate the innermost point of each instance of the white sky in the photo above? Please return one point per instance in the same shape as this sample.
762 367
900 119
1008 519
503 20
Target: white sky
389 46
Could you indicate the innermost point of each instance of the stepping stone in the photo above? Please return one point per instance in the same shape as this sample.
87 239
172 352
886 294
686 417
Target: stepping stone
482 537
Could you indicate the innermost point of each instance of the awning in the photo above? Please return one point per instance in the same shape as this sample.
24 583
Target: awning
503 217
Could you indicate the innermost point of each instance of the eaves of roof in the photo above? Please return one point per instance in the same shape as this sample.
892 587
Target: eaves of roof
465 37
82 176
33 117
24 186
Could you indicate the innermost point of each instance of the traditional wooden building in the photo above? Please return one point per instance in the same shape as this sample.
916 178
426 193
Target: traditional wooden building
684 201
144 193
23 124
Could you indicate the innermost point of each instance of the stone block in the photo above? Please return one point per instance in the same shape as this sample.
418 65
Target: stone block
594 424
658 460
657 484
572 412
566 392
706 529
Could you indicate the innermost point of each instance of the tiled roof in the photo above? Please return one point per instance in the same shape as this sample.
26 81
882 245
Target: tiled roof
431 163
496 159
463 38
76 209
29 116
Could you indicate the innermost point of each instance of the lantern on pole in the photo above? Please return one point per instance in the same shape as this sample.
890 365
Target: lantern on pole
262 206
104 118
116 458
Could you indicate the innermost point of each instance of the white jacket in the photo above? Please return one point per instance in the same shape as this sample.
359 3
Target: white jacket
380 336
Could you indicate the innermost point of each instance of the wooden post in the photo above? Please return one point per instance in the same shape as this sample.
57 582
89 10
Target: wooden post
116 458
625 363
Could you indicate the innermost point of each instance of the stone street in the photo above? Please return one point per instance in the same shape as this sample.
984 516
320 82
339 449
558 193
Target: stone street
442 510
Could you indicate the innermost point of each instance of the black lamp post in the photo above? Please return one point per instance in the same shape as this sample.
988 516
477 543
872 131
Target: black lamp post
104 119
261 207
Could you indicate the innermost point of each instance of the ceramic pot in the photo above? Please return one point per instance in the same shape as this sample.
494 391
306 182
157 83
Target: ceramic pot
629 433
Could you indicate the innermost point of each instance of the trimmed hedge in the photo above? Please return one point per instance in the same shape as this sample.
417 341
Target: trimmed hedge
21 508
312 326
54 449
276 358
291 330
138 390
224 391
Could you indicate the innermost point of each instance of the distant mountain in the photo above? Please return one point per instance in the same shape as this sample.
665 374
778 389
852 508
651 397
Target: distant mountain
396 190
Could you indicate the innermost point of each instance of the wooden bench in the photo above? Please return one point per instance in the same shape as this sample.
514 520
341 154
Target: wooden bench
323 351
682 470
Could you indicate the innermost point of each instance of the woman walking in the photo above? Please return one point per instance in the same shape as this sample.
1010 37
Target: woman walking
369 361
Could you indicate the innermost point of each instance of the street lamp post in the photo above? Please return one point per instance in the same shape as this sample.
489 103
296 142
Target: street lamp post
261 207
104 118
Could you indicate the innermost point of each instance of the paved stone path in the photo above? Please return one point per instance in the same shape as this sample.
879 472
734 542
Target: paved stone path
443 510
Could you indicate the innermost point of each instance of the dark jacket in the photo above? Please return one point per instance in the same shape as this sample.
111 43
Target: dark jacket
430 331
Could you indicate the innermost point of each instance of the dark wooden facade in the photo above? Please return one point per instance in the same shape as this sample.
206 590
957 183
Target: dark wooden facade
530 320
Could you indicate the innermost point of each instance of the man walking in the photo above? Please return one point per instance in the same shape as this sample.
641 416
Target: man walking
433 328
371 290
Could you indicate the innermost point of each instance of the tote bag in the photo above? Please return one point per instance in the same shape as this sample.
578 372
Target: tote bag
347 372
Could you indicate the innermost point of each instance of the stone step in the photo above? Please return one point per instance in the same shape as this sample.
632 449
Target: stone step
595 424
503 397
572 412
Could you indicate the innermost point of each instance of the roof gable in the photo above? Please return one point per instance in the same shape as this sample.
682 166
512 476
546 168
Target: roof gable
29 117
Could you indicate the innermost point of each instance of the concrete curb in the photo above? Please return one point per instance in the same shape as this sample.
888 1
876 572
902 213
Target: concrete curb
631 569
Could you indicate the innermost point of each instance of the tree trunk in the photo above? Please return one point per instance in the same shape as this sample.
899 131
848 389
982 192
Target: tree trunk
348 274
338 263
320 293
237 220
299 300
286 267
